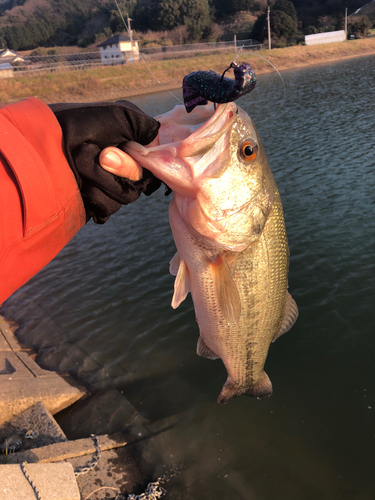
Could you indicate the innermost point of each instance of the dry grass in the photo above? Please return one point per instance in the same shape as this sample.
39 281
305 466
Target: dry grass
108 83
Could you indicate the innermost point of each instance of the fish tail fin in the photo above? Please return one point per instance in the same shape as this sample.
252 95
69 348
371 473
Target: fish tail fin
259 390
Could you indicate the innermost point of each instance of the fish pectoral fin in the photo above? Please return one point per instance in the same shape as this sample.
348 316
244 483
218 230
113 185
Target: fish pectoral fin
204 351
181 285
226 290
290 316
174 264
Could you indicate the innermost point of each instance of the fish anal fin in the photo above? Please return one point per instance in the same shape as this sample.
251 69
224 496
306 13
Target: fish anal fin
204 351
226 290
259 390
290 316
181 285
174 264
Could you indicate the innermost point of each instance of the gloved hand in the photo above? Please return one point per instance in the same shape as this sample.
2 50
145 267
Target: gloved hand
89 128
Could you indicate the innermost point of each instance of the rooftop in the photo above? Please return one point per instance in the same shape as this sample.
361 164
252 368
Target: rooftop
115 39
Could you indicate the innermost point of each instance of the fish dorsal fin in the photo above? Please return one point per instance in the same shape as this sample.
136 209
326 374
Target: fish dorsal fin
290 316
226 290
204 351
181 285
174 264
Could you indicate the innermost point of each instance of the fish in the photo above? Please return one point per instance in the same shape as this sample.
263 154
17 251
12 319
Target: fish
228 225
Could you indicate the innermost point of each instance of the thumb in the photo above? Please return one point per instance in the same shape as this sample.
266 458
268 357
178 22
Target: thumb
119 163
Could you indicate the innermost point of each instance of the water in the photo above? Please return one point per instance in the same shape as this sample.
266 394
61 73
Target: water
101 310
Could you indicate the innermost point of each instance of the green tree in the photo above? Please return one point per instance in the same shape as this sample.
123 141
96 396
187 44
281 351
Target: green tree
359 26
287 7
282 25
170 14
259 31
196 16
127 7
225 7
340 24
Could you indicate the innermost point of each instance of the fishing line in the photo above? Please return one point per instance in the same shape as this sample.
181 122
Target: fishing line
142 58
238 53
282 81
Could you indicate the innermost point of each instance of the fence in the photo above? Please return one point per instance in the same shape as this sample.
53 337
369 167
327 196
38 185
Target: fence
35 65
179 51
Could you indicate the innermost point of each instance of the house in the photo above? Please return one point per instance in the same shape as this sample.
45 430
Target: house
119 49
10 56
6 70
329 37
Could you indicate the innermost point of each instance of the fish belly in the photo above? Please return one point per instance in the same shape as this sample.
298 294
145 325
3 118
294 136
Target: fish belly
260 273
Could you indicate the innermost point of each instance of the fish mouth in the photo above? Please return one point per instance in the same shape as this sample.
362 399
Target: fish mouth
198 130
191 146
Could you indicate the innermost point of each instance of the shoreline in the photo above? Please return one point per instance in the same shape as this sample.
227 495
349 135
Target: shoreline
263 71
117 82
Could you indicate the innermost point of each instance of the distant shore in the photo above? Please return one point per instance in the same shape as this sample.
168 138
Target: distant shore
115 82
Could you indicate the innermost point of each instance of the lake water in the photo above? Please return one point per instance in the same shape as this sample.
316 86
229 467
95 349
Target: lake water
102 310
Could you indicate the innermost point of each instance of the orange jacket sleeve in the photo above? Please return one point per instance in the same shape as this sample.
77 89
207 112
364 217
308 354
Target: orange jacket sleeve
40 205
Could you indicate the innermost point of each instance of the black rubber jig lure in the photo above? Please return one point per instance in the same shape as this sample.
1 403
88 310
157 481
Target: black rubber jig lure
202 86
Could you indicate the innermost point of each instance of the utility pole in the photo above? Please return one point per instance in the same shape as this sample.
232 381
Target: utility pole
269 28
346 22
129 30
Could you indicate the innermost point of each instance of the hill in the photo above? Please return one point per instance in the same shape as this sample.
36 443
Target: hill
27 24
367 10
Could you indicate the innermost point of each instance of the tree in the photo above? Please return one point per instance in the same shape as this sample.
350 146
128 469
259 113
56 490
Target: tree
170 14
359 26
287 7
340 24
282 25
259 31
283 21
225 7
196 16
127 7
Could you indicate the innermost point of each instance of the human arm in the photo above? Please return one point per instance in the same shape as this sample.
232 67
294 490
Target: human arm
41 206
87 130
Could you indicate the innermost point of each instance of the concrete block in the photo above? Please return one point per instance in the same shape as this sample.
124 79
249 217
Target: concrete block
105 413
8 338
23 383
16 395
12 368
116 472
39 420
34 368
53 481
66 450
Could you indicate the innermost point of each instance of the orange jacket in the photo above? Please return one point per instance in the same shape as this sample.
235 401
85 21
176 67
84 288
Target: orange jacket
40 205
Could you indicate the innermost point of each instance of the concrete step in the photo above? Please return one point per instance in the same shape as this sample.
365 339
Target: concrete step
53 482
38 422
23 383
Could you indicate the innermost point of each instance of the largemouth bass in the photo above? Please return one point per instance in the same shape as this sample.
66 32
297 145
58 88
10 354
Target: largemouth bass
228 225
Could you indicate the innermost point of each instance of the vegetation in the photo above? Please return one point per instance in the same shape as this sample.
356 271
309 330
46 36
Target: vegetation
28 24
116 82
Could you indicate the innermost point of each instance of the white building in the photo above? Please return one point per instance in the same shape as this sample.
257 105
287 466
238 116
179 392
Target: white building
6 70
329 37
10 56
119 49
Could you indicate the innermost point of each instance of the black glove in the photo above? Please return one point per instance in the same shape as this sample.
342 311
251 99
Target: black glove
89 128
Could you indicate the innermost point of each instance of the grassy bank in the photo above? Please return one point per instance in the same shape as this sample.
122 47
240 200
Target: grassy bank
124 81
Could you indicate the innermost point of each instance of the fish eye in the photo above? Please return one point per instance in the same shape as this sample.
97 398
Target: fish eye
248 150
